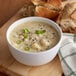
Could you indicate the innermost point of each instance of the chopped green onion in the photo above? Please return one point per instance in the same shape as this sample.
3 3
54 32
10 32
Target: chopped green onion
25 30
25 35
40 31
27 49
18 41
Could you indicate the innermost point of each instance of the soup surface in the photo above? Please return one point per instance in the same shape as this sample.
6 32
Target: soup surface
34 36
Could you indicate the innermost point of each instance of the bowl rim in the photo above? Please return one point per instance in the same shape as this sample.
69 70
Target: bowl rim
51 21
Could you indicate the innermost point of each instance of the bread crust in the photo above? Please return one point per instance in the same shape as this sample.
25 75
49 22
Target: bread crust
45 12
47 8
56 3
38 2
73 15
67 19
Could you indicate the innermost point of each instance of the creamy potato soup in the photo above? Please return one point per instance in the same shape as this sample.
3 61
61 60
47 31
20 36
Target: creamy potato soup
34 36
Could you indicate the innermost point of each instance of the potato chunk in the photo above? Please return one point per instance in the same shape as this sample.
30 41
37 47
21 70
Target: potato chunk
44 42
36 46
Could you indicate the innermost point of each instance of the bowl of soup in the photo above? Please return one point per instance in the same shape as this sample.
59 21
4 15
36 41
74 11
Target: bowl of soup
34 41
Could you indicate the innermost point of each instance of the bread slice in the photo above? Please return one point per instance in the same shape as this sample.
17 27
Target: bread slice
55 3
47 8
67 18
45 12
68 9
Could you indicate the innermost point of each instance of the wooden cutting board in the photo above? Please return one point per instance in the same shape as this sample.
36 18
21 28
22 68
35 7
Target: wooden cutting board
11 67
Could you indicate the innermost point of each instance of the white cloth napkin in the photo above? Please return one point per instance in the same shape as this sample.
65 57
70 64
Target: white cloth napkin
67 54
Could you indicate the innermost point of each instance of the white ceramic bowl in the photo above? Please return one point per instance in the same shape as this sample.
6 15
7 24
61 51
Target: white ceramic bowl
31 58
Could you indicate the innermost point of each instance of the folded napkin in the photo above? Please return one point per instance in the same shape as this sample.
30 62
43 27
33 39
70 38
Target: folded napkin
67 54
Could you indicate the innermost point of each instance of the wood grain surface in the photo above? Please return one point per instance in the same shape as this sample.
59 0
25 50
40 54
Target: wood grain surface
11 67
8 8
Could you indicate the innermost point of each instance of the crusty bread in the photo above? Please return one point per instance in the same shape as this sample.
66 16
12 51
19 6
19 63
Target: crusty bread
38 2
67 18
56 3
47 8
45 12
73 15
